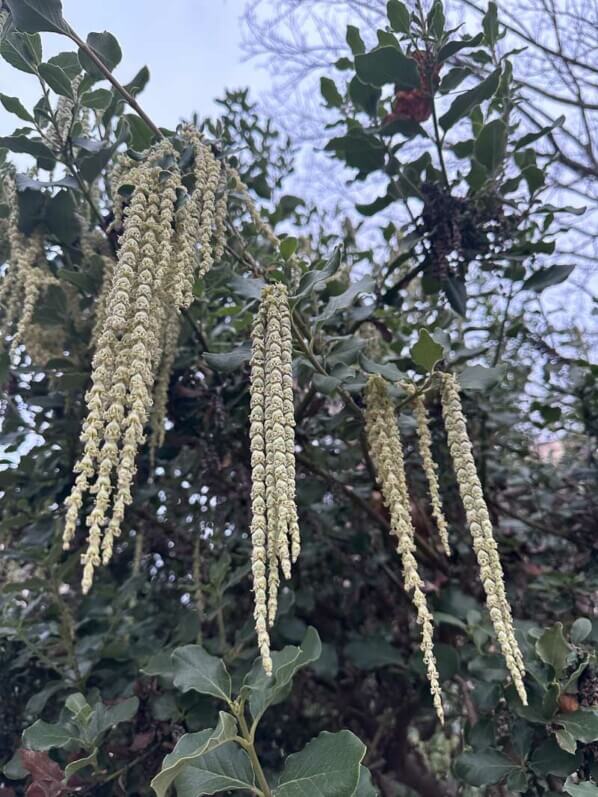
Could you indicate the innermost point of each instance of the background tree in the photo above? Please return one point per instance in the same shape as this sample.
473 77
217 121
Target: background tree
555 68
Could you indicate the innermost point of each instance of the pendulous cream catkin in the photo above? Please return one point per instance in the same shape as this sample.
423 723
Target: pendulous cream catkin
430 469
480 526
274 525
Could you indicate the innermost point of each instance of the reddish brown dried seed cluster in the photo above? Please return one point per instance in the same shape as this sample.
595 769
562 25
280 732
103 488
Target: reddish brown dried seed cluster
416 104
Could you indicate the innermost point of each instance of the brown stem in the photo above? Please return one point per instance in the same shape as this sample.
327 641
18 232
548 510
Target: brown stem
407 764
196 330
301 335
438 142
304 404
531 523
468 704
67 631
67 156
221 629
129 765
426 548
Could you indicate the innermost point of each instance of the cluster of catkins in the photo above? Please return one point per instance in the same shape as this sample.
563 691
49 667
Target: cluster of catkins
166 244
27 275
170 237
386 449
274 527
384 441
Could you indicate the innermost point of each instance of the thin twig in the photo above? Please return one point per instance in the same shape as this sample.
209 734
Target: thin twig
357 499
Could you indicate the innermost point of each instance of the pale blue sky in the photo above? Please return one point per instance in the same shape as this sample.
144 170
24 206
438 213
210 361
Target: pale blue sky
190 46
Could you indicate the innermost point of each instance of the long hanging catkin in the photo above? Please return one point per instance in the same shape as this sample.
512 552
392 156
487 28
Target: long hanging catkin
384 442
257 437
480 526
59 129
200 218
289 427
24 280
129 345
169 349
430 469
274 525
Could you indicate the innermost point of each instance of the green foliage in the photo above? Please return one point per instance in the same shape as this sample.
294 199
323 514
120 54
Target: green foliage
195 669
398 16
32 16
224 758
56 79
387 65
106 47
83 727
550 746
225 769
192 750
426 352
354 40
468 100
553 649
98 99
150 683
22 50
14 105
580 789
490 24
328 765
484 768
547 276
262 691
490 145
330 92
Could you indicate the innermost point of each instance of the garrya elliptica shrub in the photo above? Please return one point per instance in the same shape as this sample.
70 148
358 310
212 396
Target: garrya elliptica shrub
136 270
